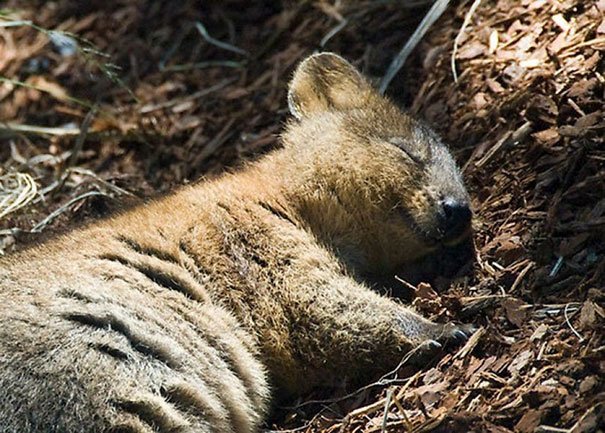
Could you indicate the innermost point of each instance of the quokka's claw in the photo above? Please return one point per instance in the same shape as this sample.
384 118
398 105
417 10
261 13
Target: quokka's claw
433 344
456 333
425 351
459 334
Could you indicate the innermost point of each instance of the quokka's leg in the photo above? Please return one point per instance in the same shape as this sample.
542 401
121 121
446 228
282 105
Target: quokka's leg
343 329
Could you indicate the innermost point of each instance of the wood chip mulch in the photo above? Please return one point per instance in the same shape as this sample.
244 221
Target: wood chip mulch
138 100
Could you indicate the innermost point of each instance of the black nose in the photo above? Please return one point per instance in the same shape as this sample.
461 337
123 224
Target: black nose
457 218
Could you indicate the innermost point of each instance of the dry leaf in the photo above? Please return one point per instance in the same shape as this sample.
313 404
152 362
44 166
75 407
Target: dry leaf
471 50
426 291
514 313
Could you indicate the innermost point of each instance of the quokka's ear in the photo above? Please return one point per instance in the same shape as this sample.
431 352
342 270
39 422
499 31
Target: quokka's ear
325 82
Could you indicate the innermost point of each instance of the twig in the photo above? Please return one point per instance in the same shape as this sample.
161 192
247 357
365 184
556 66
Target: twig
203 65
46 221
173 48
110 186
580 338
405 283
224 45
590 42
556 268
407 424
15 23
429 19
42 89
10 129
387 404
298 429
548 310
153 107
37 130
470 344
333 32
595 413
81 137
467 20
383 381
213 145
506 141
373 407
550 429
521 276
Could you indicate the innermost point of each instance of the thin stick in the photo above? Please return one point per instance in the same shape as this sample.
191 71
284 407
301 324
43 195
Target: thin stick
38 130
467 20
153 107
333 32
204 65
509 139
81 137
570 325
383 381
407 424
224 45
15 23
470 344
387 404
46 221
521 276
550 429
405 283
41 89
373 407
110 186
429 19
173 48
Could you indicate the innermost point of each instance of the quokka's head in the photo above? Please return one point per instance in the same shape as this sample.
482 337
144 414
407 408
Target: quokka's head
378 185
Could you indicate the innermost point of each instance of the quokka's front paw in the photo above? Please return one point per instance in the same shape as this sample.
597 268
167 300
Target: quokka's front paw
453 333
441 334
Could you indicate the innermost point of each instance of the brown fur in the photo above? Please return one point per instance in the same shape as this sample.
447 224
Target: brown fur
179 315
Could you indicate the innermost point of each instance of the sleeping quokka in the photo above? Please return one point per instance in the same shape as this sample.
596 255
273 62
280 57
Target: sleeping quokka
188 313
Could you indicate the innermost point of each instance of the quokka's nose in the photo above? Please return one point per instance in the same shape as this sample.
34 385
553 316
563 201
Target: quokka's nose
457 218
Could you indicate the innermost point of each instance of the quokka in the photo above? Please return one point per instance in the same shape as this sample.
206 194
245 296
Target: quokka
188 313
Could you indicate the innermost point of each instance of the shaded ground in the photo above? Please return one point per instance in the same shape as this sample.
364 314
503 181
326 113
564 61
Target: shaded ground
525 120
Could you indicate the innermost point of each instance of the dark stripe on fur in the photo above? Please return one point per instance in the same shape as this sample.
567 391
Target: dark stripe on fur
134 426
73 294
141 343
189 399
111 351
149 251
281 215
171 282
153 414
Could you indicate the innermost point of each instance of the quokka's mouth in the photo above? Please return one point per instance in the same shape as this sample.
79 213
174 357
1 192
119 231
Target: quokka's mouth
431 240
434 238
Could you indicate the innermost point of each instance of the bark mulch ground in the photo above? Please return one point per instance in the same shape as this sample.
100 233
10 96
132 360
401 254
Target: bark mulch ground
146 95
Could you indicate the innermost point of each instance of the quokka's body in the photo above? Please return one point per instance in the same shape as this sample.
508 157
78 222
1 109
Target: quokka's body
188 313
